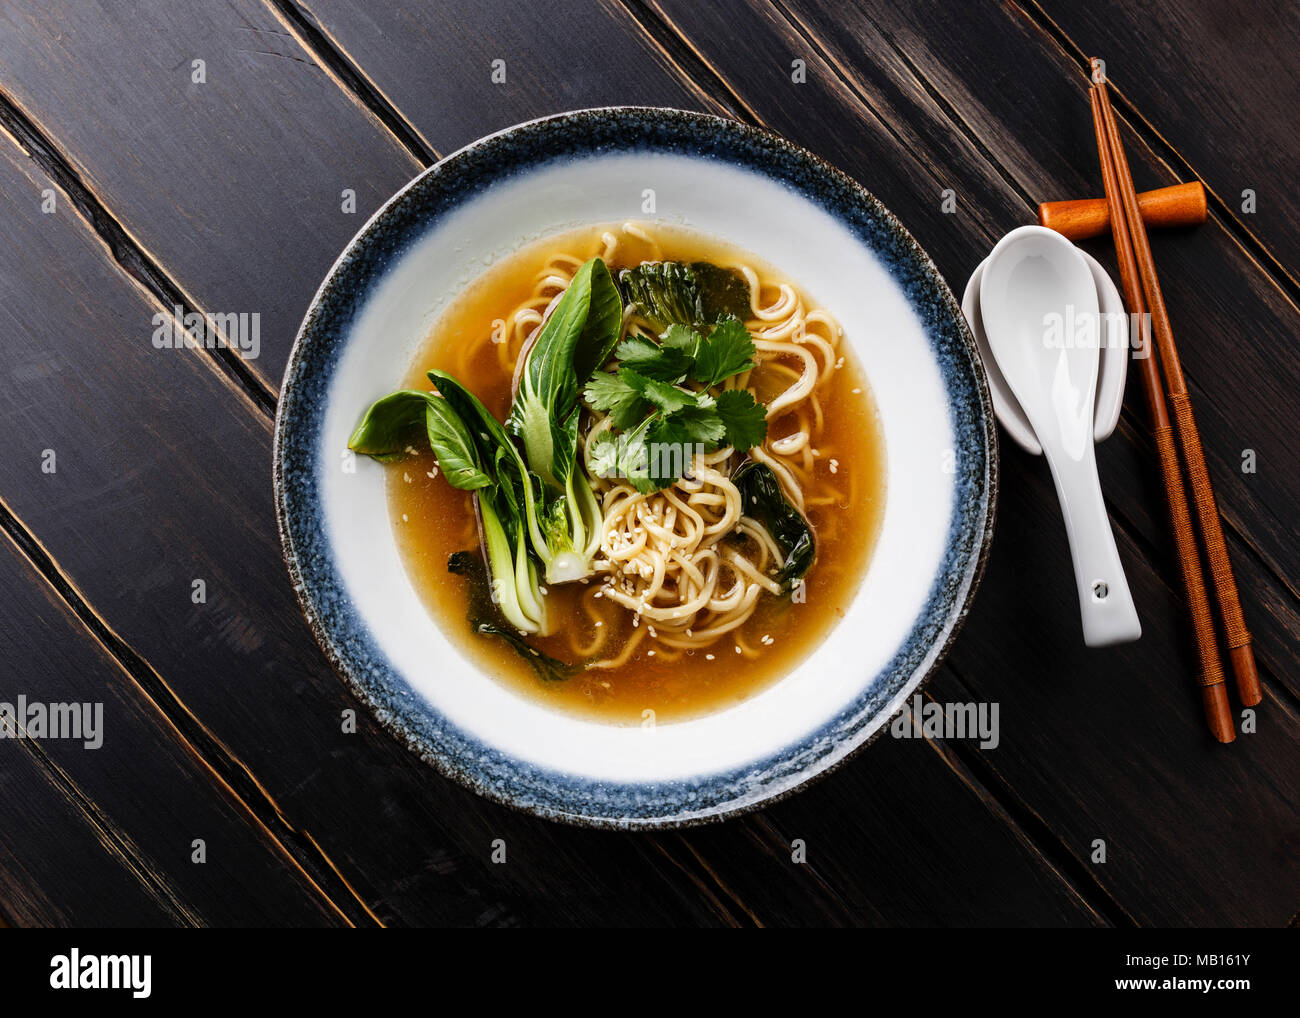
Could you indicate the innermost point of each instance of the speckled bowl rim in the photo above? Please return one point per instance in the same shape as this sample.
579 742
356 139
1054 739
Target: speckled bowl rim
464 175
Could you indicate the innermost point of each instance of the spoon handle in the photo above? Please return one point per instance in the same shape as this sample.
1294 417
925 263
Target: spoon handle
1105 603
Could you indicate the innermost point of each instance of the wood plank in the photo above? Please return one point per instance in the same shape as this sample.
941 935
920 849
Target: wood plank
54 868
235 183
435 63
139 795
870 832
870 861
867 101
1218 87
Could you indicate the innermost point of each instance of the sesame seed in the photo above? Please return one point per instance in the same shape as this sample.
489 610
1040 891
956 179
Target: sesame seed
737 648
431 473
404 520
650 653
708 657
406 477
840 363
835 466
857 392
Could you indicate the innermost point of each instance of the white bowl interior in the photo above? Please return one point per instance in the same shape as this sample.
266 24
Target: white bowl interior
781 228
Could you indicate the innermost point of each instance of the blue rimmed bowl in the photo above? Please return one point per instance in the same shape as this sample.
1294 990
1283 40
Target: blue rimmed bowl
752 190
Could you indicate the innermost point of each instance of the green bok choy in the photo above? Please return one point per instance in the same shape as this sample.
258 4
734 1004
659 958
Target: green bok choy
578 338
476 455
536 498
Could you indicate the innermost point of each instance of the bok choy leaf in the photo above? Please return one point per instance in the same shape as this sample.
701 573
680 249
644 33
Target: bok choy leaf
470 566
675 293
504 504
762 499
475 454
392 426
578 338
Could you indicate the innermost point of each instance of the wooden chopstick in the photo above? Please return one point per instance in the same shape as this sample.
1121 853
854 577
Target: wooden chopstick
1214 693
1184 423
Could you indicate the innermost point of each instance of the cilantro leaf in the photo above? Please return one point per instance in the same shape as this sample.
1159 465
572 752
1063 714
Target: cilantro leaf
660 425
648 358
667 398
633 459
612 393
636 350
728 350
679 337
603 455
669 451
702 423
744 418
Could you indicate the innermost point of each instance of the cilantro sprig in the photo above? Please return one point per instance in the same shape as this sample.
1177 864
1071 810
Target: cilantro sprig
658 423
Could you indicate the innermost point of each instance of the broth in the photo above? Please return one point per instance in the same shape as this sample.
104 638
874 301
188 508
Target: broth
433 520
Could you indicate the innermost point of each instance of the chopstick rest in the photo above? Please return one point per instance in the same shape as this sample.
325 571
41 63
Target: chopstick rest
1082 218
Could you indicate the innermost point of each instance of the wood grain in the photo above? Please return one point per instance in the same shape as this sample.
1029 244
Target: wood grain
435 63
235 184
140 797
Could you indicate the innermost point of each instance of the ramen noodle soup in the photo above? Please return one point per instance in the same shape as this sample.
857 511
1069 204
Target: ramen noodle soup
638 588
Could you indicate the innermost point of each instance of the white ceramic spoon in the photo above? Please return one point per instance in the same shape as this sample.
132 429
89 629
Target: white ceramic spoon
1032 274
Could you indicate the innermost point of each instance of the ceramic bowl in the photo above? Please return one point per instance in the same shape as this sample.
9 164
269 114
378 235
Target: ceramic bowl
752 190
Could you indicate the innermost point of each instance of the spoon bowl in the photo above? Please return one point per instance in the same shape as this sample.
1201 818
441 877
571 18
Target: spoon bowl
1112 372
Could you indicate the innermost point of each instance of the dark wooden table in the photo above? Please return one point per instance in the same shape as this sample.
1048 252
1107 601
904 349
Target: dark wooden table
134 180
